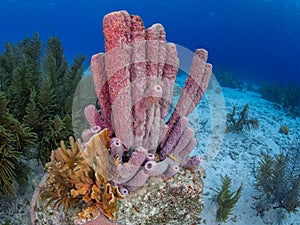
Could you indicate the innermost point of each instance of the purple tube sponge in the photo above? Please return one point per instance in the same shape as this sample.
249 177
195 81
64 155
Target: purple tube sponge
127 171
95 129
88 133
171 171
93 116
166 168
150 157
124 191
173 137
137 181
155 169
134 82
138 156
193 162
116 147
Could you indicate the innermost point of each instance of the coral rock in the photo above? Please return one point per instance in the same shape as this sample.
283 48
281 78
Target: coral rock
284 130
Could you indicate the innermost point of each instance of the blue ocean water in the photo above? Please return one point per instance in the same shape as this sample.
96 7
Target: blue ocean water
258 40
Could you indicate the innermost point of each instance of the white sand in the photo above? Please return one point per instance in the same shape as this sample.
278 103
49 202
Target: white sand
238 155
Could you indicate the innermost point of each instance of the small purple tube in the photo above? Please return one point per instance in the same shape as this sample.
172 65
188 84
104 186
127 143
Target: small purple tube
116 147
171 171
150 157
86 135
124 191
95 129
193 162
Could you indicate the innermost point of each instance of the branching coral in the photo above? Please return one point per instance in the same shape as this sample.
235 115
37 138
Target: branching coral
58 185
278 178
72 181
241 122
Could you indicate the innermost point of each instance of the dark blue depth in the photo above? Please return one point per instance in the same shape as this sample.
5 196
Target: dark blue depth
258 40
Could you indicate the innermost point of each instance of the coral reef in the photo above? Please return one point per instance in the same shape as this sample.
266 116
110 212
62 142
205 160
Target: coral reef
240 123
159 201
129 141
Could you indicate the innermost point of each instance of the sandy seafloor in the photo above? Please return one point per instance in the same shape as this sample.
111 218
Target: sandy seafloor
237 156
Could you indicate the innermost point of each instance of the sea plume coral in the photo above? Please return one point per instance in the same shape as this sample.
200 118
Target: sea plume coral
238 122
226 199
15 142
278 179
